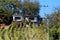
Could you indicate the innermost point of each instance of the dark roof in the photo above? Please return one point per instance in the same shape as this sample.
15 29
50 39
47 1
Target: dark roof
30 15
16 14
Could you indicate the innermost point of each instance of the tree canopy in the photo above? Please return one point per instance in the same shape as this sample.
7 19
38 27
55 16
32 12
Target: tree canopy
9 7
54 19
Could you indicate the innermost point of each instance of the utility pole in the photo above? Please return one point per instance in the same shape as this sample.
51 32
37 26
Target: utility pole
48 28
47 21
47 24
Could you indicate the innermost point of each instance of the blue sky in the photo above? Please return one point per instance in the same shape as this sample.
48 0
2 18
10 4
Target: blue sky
51 5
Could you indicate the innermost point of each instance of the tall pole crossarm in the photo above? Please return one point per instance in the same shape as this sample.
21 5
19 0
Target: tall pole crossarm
43 5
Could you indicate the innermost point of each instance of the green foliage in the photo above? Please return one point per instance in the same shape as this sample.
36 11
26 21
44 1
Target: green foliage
31 8
54 19
26 7
54 25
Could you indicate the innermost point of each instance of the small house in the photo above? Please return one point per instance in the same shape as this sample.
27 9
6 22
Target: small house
27 18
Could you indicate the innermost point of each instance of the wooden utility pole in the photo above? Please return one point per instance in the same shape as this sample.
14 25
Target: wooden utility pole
47 21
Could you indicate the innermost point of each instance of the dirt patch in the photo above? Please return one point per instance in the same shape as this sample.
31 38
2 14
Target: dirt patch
3 25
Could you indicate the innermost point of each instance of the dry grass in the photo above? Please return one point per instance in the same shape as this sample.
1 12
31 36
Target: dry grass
15 33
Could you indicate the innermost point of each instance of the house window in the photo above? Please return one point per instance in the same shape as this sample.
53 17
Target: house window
31 18
17 18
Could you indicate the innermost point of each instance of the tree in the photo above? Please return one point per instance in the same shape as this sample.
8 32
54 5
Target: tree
27 7
54 24
54 18
31 8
